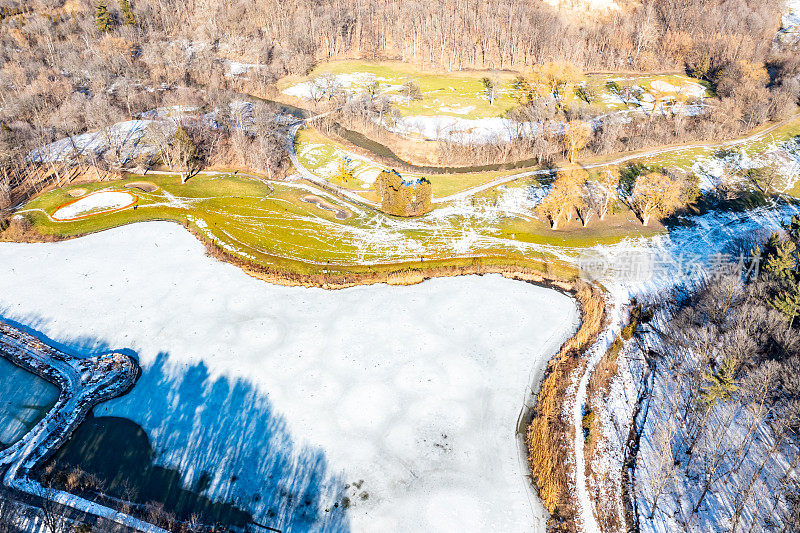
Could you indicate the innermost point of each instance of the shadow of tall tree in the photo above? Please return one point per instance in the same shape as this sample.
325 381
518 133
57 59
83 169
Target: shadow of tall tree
225 439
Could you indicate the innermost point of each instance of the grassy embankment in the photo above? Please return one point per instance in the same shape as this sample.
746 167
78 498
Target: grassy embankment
277 232
550 433
277 229
321 155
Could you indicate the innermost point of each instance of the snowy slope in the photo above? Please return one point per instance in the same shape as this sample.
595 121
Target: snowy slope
409 395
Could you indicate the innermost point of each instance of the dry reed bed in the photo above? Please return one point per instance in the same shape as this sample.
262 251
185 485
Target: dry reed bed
550 434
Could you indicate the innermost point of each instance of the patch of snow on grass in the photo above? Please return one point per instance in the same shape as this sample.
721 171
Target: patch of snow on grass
690 89
461 129
457 109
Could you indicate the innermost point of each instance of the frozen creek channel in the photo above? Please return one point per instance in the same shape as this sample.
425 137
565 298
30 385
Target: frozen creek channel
285 401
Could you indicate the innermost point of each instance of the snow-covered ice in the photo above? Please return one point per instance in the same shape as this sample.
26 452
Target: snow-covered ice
297 392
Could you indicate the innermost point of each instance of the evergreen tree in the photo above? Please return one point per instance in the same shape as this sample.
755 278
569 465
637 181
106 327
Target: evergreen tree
103 17
719 385
788 302
793 227
779 258
127 13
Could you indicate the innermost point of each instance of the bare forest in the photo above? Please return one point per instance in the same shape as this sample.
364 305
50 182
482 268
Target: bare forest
74 66
719 370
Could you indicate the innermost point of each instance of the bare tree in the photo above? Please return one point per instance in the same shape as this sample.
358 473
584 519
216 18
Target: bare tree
662 472
50 510
9 516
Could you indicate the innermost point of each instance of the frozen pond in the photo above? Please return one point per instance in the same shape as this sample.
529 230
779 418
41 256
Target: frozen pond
368 409
24 400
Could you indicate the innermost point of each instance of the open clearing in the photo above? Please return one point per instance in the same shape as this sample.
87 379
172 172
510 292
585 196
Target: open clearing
287 400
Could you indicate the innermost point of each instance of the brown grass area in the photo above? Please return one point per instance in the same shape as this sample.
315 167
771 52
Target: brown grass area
549 434
21 230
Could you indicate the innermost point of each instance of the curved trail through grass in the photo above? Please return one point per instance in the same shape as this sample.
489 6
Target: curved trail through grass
618 161
647 154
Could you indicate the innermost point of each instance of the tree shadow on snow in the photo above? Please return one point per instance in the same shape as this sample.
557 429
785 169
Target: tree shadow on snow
201 444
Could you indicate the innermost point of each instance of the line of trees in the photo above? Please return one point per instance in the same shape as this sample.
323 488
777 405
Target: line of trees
549 123
648 192
484 34
72 66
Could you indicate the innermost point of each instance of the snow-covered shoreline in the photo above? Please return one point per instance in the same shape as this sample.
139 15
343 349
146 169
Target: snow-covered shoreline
83 383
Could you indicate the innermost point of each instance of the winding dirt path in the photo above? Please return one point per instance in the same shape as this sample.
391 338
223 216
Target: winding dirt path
466 193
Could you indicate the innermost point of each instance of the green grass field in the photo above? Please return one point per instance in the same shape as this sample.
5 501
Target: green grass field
323 157
462 94
276 228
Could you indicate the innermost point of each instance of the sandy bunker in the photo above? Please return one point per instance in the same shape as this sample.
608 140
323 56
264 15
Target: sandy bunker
94 204
145 186
340 214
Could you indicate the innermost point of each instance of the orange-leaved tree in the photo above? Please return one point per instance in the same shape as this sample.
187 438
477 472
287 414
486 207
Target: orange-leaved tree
564 196
656 194
576 136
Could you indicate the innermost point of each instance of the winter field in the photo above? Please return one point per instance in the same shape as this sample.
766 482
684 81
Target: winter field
286 401
248 220
458 107
327 159
248 217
